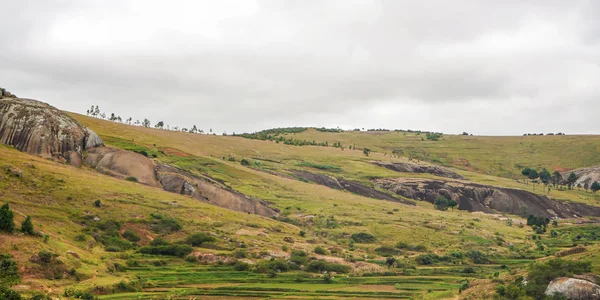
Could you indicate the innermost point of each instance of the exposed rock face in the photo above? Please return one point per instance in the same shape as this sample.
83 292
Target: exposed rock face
416 168
347 185
205 189
40 129
122 164
576 289
584 175
476 197
6 94
319 179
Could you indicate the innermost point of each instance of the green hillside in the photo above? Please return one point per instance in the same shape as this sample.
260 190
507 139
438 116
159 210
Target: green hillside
318 228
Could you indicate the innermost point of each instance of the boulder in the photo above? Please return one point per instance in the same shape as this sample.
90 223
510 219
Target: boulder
40 129
122 164
575 289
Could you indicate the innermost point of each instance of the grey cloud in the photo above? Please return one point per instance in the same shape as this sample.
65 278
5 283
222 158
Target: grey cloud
243 66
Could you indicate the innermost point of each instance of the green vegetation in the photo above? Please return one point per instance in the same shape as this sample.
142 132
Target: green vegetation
137 241
7 222
27 226
538 277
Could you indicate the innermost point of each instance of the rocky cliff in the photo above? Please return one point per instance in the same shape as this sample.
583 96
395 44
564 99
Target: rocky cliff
476 197
40 129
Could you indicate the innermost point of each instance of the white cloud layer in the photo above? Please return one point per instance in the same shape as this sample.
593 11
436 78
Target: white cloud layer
487 67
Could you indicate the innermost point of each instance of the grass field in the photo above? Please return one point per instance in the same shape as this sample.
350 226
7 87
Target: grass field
61 200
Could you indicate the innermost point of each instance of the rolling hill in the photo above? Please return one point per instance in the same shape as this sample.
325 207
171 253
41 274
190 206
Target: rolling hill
333 225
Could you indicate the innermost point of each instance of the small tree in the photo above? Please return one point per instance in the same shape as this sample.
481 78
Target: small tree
7 222
571 180
452 204
27 226
441 203
390 261
556 178
366 151
595 186
146 123
158 125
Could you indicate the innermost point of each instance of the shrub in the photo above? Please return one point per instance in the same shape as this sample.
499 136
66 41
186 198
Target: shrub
241 266
477 257
245 162
9 271
7 223
363 237
320 266
8 294
320 250
165 224
27 226
387 251
298 258
98 203
406 246
169 250
468 270
199 238
132 179
241 253
272 266
131 236
159 241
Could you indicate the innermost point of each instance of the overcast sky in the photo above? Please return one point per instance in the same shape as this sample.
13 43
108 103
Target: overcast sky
486 67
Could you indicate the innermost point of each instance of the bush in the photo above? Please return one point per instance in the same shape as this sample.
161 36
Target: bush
241 266
241 253
298 258
131 236
165 224
406 246
199 238
387 251
27 226
8 294
132 179
169 250
159 241
7 223
245 162
477 257
320 266
9 271
363 237
320 250
98 203
272 266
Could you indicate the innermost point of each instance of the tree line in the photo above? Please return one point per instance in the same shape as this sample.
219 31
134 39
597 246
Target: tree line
556 180
94 111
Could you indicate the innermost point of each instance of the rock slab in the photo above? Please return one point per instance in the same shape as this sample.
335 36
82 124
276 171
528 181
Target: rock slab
40 129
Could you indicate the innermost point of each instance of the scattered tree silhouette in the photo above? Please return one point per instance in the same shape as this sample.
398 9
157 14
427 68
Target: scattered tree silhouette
160 125
595 186
556 178
27 226
366 151
571 180
146 123
7 222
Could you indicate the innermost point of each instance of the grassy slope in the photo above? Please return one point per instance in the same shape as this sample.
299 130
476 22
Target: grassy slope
55 195
499 155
